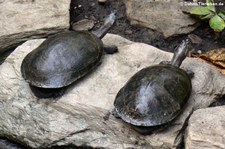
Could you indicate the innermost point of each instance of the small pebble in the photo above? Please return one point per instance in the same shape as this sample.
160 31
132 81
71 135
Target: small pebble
84 24
195 39
128 32
199 52
102 1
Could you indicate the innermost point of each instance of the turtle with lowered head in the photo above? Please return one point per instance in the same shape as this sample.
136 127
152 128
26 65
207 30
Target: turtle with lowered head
155 95
64 58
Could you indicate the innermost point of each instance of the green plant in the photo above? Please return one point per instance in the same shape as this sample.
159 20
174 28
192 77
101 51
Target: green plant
216 19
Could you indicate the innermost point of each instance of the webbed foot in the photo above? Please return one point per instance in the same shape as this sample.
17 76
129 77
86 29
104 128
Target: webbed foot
190 73
114 113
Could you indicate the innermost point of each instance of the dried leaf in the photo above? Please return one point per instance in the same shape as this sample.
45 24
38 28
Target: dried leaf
216 58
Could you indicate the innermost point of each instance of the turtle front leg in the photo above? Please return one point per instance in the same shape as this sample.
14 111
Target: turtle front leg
114 113
165 62
110 49
190 73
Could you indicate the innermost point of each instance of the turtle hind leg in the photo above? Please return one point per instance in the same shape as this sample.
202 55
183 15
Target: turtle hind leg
147 130
144 130
110 49
47 92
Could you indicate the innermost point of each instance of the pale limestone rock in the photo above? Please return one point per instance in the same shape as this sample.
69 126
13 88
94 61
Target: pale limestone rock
26 19
79 117
165 16
206 129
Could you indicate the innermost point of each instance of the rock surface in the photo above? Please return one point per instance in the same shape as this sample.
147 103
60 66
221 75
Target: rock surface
81 117
165 16
206 129
26 19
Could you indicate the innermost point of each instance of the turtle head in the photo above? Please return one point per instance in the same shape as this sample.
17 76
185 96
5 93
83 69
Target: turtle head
108 23
180 53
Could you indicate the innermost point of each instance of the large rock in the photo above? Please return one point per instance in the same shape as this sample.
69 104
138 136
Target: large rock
165 16
81 117
24 19
206 129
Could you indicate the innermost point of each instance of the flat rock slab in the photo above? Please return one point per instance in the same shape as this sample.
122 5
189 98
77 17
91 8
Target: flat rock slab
81 117
165 16
24 19
206 129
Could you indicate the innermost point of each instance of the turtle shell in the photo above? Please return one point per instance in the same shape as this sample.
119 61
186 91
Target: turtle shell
153 96
62 59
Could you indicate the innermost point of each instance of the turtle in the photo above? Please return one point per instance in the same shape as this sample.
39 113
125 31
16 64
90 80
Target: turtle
156 94
64 58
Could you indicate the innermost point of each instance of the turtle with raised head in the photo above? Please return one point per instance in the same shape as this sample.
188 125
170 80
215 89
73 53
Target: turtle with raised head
155 95
64 58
